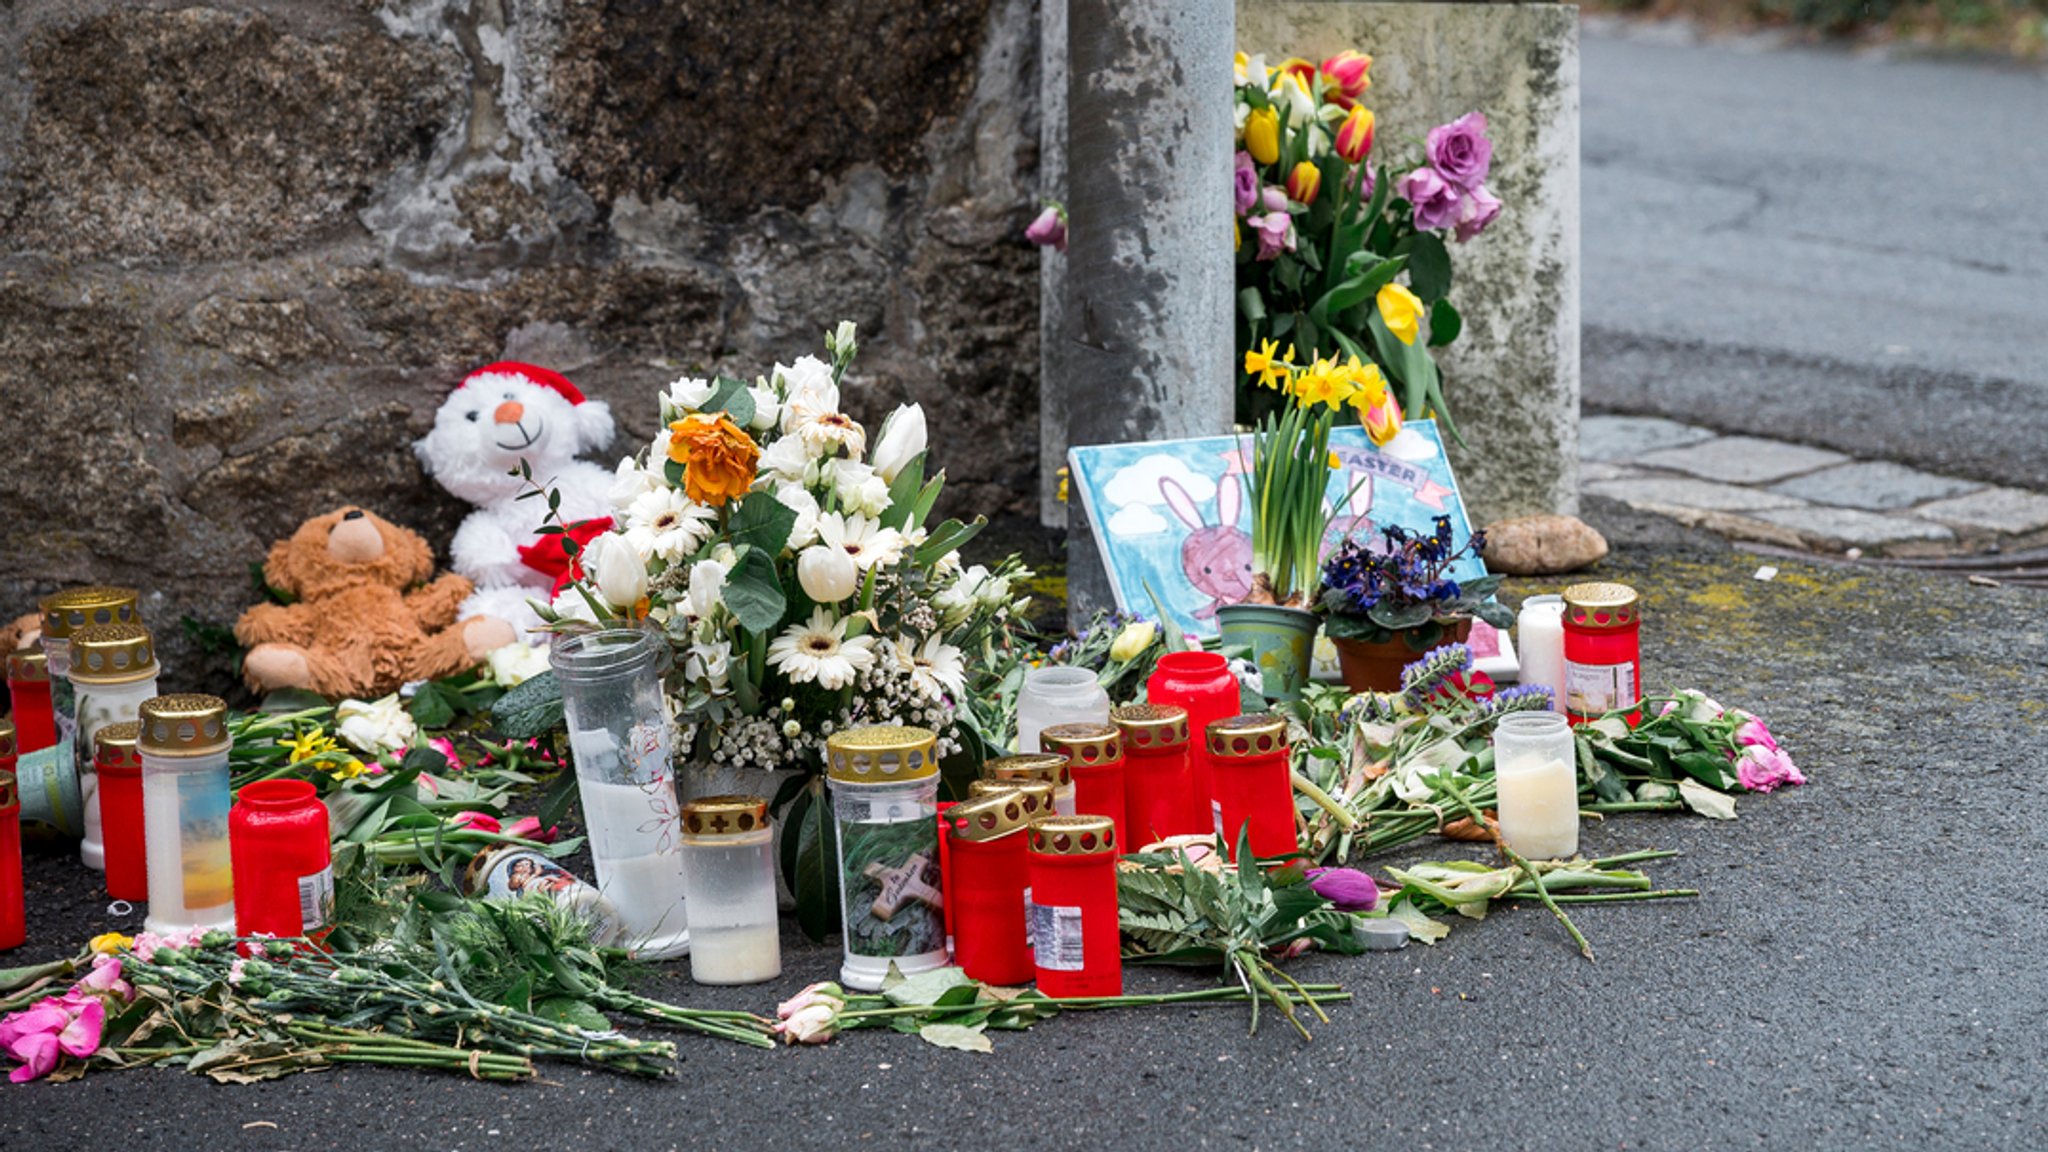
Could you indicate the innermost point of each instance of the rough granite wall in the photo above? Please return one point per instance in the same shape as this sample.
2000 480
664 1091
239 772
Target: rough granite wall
246 249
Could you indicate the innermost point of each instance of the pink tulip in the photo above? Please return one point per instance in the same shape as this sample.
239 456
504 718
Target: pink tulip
479 821
446 747
528 828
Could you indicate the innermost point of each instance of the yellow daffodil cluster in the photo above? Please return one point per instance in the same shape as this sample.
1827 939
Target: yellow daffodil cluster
319 744
1326 381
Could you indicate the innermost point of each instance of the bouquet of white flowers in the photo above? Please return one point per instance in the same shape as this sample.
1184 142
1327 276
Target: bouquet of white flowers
790 561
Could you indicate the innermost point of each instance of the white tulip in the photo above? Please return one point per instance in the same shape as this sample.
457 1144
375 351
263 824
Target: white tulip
799 500
629 483
618 570
707 584
828 574
903 440
767 409
691 394
375 726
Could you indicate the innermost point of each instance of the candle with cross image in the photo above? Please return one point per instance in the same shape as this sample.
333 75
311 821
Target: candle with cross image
885 792
729 884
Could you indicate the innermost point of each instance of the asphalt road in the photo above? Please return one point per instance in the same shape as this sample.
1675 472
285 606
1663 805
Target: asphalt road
1845 250
1861 971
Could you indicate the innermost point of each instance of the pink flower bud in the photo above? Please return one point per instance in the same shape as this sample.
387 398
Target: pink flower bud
528 828
1347 889
479 821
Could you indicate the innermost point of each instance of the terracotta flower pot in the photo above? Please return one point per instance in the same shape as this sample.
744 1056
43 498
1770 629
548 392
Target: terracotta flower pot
1375 665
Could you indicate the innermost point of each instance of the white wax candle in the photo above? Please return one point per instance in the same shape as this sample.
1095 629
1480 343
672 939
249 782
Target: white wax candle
636 835
1538 802
1539 633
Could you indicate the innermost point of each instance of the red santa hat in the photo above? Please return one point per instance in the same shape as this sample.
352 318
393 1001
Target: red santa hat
532 373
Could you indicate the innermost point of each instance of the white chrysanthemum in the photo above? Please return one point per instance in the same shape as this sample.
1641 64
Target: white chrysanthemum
667 525
629 482
820 651
936 668
798 499
860 488
861 538
829 430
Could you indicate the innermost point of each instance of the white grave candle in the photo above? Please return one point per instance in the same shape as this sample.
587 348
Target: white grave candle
1539 633
1537 789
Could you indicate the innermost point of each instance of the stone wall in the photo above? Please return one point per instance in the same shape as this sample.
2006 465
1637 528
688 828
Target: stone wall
246 248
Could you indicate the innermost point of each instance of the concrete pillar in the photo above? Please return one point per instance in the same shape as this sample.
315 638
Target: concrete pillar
1052 268
1512 379
1149 278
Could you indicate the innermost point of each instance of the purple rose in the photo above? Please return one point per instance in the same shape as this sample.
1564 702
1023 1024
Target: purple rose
1479 209
1245 183
1049 230
1347 889
1435 199
1460 151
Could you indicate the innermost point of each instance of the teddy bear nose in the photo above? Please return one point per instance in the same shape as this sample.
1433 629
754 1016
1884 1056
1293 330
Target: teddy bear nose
509 412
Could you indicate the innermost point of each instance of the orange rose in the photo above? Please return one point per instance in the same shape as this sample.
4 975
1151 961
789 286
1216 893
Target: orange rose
717 458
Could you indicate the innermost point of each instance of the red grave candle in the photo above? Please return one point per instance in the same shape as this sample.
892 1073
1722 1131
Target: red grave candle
1071 864
1201 683
28 686
119 764
13 908
1603 662
277 838
1253 790
1157 774
1095 755
985 883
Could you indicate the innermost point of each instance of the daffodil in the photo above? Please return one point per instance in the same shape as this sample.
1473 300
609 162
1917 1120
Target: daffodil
305 747
1263 364
1322 382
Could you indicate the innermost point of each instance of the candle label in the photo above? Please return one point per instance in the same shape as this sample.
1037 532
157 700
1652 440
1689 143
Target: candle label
514 872
316 900
1591 689
48 786
203 804
1055 934
890 879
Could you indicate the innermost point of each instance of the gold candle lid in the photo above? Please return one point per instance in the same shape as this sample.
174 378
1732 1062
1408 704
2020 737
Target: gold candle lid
881 754
184 725
75 608
725 815
1040 791
1050 767
10 795
1149 726
1084 745
1073 835
6 738
1601 605
112 654
1259 734
995 815
28 665
115 745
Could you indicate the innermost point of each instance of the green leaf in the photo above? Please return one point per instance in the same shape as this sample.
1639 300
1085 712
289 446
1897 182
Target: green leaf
753 593
1705 801
1445 324
815 879
926 988
1251 304
903 493
1420 926
1429 267
554 802
567 1010
763 522
1284 323
948 537
672 471
1395 617
732 398
531 710
958 1036
431 707
1357 289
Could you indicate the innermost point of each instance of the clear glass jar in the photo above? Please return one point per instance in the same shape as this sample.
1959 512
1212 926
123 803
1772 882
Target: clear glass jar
184 744
618 735
1057 694
885 804
113 670
729 877
1537 797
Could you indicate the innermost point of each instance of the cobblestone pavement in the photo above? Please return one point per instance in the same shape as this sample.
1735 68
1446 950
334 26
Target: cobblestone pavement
1765 491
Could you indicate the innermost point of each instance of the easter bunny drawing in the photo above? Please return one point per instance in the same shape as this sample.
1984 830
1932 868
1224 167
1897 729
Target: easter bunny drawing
1216 557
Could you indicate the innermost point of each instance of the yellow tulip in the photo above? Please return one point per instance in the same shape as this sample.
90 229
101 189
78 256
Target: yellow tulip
1401 311
1262 135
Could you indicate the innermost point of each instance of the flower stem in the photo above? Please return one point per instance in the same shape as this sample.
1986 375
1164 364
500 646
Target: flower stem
1535 877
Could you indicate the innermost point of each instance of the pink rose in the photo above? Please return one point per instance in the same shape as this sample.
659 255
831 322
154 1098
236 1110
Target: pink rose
1761 769
1460 151
1480 209
1752 732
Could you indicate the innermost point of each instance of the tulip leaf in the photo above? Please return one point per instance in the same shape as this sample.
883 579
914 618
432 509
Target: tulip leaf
948 537
1429 267
903 494
763 522
752 592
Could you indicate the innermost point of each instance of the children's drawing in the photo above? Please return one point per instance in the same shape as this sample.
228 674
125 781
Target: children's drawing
1174 515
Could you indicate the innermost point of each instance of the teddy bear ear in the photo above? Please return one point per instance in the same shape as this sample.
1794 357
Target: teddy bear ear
594 425
409 550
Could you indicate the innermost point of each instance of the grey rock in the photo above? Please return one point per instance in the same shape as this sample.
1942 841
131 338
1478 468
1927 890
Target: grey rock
1623 438
1837 529
2009 511
1874 485
1742 459
1684 492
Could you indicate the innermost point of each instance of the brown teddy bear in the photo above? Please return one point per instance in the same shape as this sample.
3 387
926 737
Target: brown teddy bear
354 630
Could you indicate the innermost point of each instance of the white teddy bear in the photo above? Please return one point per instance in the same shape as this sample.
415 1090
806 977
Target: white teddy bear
499 415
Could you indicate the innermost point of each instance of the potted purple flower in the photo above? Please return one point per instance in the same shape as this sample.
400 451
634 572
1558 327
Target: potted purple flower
1385 602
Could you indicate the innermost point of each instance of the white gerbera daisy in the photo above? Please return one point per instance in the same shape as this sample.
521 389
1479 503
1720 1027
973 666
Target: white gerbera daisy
936 668
807 391
820 650
829 430
862 538
667 525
